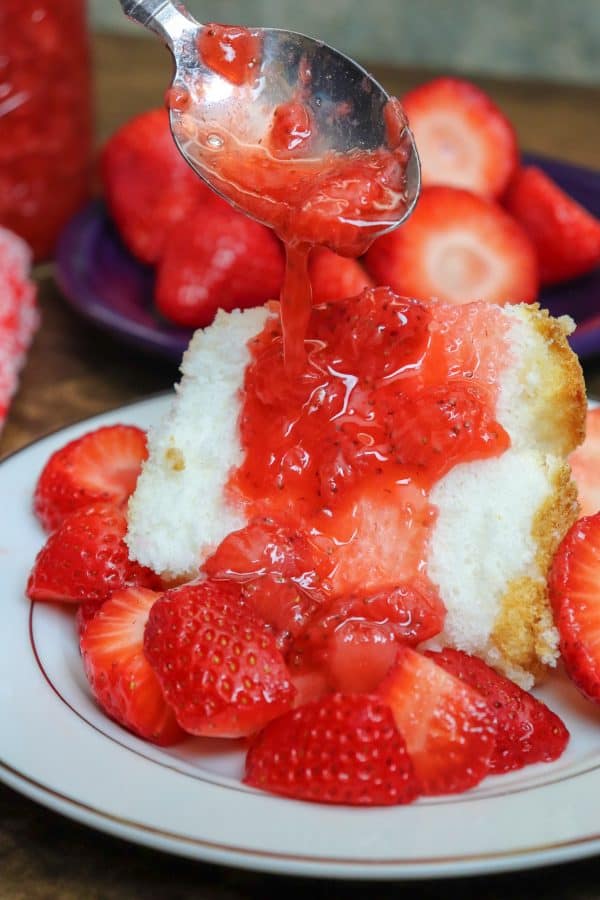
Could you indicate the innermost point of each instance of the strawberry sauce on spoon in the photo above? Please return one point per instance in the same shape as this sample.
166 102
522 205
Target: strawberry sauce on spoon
293 133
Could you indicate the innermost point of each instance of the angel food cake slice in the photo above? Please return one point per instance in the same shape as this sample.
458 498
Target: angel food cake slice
418 458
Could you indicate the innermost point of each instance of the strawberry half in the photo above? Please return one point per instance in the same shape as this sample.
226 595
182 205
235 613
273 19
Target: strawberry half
565 235
574 586
100 467
464 139
119 674
457 247
528 732
86 559
335 277
449 728
218 666
342 749
147 184
585 465
220 260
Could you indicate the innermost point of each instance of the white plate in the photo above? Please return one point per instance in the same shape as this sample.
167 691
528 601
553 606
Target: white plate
59 749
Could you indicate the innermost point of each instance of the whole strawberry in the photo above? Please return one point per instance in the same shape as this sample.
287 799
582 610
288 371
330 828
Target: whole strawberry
342 749
118 672
218 666
100 467
86 559
148 186
217 259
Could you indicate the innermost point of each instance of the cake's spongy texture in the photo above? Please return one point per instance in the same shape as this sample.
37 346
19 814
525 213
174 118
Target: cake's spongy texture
178 511
499 520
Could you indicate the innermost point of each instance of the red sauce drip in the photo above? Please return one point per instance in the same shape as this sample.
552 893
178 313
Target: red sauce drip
45 117
231 51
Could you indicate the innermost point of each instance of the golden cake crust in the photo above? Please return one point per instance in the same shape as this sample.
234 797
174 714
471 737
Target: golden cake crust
524 636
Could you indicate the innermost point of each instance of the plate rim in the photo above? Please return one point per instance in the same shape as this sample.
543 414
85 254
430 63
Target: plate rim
138 832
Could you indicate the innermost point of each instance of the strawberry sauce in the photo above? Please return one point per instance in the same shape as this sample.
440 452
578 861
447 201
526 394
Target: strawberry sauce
231 51
288 178
342 457
351 411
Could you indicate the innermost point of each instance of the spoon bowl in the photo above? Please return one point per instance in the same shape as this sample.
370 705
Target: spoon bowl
346 107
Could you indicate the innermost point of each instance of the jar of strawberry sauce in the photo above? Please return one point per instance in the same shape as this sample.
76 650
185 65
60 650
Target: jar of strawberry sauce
45 117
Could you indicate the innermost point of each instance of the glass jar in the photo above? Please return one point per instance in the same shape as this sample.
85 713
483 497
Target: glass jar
45 117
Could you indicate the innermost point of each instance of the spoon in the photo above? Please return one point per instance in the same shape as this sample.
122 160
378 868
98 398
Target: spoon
210 111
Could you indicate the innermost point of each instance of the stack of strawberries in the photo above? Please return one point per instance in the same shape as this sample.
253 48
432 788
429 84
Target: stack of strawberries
485 228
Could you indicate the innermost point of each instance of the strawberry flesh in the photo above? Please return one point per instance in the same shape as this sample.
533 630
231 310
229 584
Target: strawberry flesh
464 139
528 732
219 667
344 749
119 674
100 467
86 559
574 586
449 728
585 465
457 247
565 235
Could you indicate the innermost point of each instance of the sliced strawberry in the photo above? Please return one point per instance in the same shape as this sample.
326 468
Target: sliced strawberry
355 640
86 558
218 666
565 235
335 277
221 260
457 247
449 728
528 732
343 749
148 185
585 465
280 572
100 467
119 674
464 139
574 586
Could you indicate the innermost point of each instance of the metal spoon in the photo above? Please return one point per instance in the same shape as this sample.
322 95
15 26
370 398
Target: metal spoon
336 83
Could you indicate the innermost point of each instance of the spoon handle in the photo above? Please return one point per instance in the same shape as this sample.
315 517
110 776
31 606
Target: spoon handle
161 16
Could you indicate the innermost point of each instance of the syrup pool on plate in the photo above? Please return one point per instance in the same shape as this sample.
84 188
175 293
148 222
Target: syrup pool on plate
277 165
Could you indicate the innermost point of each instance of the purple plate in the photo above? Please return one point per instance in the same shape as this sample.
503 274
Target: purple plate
104 283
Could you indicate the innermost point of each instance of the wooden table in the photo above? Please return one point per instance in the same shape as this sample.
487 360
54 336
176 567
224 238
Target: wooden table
75 371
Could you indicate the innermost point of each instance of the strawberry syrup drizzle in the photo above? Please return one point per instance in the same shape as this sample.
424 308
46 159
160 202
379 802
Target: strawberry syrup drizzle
343 455
308 196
